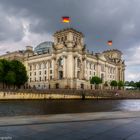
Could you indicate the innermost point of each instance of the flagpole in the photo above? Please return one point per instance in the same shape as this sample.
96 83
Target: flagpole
69 25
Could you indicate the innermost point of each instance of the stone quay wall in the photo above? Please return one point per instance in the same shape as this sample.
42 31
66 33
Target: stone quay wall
69 94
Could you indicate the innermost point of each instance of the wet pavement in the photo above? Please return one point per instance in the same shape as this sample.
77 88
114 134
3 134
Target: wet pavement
79 126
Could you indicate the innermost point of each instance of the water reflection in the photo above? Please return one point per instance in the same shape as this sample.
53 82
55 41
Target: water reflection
129 105
42 107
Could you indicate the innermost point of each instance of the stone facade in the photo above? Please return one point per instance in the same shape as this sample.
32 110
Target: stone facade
66 63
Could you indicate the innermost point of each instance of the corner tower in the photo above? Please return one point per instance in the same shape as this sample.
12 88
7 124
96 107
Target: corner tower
69 39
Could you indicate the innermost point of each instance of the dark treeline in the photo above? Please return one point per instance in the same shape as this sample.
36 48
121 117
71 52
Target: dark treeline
12 73
114 84
133 84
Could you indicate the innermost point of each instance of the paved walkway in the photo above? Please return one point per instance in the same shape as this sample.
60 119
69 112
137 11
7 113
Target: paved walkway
80 126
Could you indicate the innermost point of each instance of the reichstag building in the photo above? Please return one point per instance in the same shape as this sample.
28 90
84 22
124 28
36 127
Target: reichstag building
66 63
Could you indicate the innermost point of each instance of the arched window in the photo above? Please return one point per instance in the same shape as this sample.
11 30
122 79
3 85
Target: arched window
102 76
78 62
60 62
78 74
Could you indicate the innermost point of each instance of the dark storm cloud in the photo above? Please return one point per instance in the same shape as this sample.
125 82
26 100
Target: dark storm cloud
99 20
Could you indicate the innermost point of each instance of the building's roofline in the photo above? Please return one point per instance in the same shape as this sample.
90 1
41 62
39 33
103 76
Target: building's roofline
68 29
112 50
7 53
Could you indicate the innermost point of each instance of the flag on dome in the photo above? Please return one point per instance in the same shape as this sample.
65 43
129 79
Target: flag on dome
66 19
109 43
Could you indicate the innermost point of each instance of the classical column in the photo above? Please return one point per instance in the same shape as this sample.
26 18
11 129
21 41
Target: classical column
98 69
124 75
106 72
64 67
75 67
83 68
54 67
55 70
48 70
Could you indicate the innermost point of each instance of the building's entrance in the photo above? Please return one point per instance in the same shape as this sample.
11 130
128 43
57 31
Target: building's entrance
82 86
60 74
57 85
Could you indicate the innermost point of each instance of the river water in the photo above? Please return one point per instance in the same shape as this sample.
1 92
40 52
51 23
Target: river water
44 107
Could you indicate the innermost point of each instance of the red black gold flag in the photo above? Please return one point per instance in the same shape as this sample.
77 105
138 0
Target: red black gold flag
66 19
109 43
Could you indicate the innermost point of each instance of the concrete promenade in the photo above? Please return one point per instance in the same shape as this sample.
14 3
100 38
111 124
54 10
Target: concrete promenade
80 126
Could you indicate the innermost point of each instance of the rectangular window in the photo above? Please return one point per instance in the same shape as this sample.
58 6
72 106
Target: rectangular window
45 72
30 79
39 78
39 72
94 66
50 77
60 74
30 74
78 74
45 78
34 73
50 71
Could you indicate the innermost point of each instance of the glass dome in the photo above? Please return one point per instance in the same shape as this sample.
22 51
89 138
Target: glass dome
44 47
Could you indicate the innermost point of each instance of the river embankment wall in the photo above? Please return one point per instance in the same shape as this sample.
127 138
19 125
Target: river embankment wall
69 94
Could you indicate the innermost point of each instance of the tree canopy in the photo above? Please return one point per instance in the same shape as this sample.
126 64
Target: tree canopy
120 84
96 80
12 73
138 84
114 83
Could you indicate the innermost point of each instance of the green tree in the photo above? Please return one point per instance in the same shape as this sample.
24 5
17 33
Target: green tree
96 80
10 78
20 71
4 68
114 84
132 83
1 72
120 84
12 72
138 85
127 83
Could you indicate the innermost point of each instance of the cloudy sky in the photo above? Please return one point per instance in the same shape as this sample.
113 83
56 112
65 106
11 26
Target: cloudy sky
30 22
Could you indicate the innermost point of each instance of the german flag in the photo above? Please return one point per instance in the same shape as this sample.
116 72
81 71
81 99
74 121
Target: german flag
66 19
109 42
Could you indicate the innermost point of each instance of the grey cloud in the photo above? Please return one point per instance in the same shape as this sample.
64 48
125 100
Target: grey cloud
98 20
10 27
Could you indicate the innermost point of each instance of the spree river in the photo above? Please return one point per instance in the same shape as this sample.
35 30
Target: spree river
44 107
